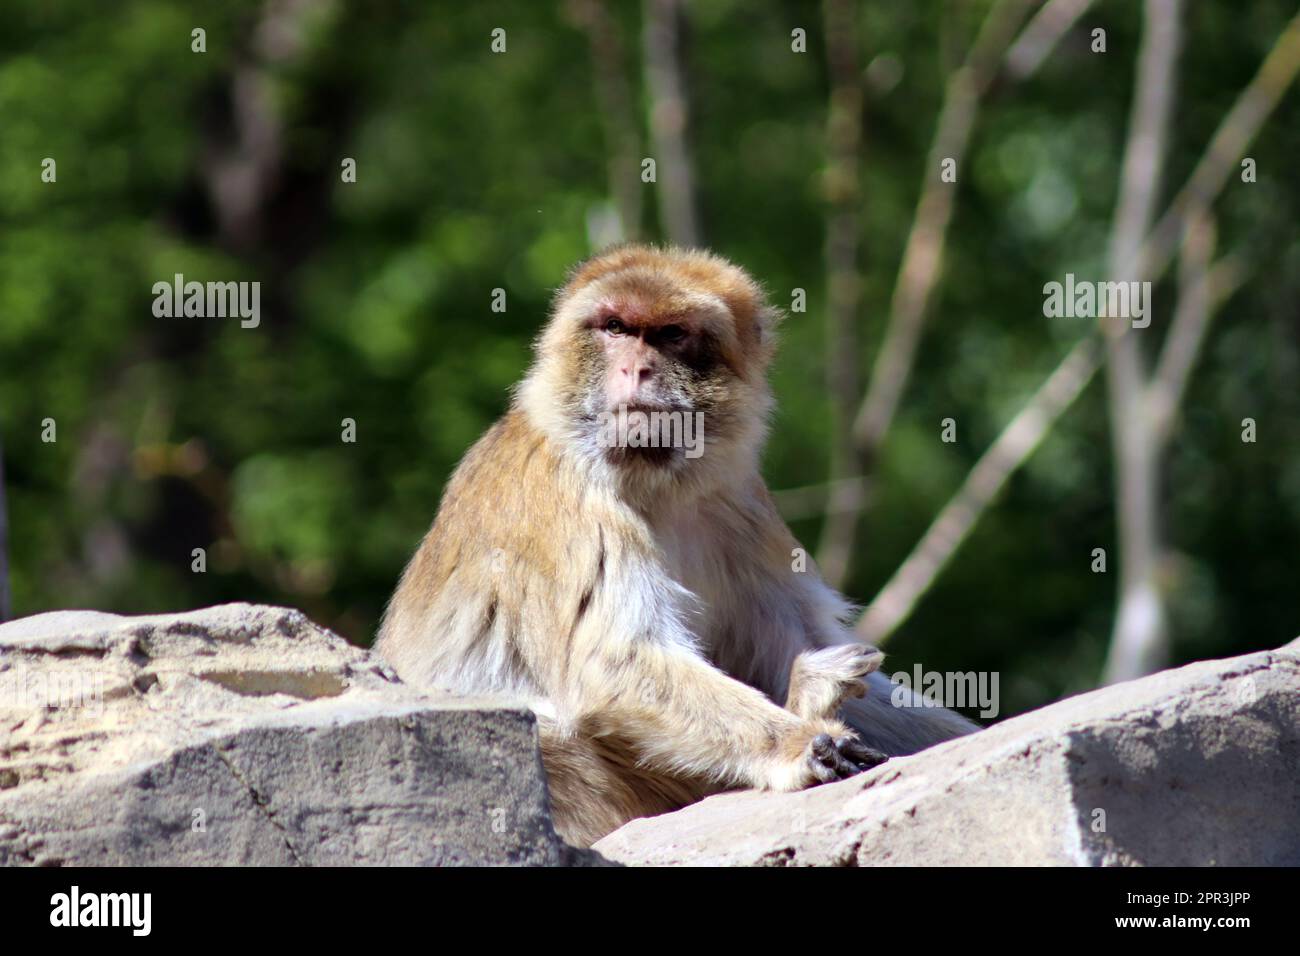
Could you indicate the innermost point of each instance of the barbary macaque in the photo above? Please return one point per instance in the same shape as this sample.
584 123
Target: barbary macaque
647 603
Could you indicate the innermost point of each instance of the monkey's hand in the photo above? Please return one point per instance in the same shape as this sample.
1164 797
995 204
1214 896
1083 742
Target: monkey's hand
821 680
831 753
680 714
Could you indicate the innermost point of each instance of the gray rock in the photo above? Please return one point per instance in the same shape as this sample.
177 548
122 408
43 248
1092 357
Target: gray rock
1194 766
246 734
243 734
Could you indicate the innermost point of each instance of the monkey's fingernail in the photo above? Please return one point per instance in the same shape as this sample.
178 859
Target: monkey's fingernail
845 768
867 757
823 746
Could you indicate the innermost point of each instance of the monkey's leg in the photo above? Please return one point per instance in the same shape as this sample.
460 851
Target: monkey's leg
596 786
821 680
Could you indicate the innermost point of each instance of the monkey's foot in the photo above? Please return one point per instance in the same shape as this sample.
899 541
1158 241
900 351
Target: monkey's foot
821 680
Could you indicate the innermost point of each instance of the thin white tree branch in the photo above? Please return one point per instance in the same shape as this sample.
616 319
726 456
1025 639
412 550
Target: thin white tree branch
670 121
1041 35
1202 289
1139 640
1236 132
918 274
940 543
1013 446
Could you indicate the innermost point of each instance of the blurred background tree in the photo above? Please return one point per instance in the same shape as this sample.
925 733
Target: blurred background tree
478 170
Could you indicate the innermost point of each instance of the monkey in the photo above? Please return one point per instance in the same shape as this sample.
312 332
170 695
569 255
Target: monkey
644 598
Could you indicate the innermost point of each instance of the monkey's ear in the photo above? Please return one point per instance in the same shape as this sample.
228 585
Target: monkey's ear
767 319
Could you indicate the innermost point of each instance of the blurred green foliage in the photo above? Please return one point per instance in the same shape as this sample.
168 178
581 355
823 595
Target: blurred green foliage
478 171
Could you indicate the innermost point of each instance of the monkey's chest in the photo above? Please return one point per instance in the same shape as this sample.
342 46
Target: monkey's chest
719 603
743 620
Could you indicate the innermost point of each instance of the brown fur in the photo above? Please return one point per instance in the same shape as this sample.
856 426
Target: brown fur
646 607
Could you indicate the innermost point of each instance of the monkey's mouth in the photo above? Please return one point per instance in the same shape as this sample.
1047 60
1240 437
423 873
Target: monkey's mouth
655 457
649 408
647 434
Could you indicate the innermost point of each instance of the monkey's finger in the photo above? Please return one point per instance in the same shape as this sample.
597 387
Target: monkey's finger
845 768
823 749
849 745
867 659
857 659
821 771
828 763
859 752
825 761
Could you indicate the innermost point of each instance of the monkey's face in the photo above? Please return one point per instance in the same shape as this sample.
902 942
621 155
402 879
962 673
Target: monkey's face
655 371
656 359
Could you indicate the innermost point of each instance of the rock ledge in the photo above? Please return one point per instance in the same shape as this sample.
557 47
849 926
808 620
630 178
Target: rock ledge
1194 766
243 734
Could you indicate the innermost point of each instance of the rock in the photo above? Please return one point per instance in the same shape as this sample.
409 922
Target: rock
1194 766
243 734
246 734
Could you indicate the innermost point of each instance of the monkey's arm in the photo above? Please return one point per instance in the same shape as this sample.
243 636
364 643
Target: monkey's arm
679 714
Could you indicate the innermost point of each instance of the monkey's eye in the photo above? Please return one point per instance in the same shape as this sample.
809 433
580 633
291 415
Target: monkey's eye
614 326
672 333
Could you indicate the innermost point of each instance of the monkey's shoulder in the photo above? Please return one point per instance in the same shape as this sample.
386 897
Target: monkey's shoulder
508 452
512 492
